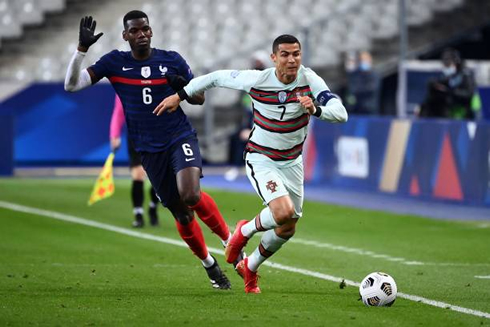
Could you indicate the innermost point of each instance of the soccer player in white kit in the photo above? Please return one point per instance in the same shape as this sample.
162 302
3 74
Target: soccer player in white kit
284 99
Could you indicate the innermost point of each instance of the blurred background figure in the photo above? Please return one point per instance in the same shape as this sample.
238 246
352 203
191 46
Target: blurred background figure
363 84
238 140
452 94
138 174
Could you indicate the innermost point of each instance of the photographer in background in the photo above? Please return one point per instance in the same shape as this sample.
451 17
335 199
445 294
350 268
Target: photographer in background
363 84
451 95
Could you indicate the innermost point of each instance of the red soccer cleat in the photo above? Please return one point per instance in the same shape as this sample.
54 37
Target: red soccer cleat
250 277
236 243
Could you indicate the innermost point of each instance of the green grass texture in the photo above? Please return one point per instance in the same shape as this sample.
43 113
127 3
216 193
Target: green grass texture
59 273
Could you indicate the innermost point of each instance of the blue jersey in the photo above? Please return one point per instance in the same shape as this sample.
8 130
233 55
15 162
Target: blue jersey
142 85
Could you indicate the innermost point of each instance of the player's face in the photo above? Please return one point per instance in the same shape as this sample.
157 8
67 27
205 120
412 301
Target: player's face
138 33
287 59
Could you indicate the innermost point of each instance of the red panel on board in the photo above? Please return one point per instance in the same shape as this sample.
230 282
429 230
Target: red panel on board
447 185
414 186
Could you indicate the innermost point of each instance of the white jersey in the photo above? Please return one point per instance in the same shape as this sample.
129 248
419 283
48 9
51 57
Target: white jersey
280 122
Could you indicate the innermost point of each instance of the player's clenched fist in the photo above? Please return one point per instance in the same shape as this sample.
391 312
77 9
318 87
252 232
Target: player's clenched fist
169 104
307 103
86 36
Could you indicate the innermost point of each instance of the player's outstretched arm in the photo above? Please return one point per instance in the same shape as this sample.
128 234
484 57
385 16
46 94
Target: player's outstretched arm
76 79
232 79
178 82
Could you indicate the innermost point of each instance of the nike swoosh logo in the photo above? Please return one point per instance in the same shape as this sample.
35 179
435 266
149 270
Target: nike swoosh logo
189 159
127 68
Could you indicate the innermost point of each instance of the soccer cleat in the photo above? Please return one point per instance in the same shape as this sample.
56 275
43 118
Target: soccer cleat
153 214
236 243
138 221
238 269
249 277
217 277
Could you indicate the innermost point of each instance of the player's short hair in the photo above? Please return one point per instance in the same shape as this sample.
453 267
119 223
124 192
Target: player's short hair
285 38
133 14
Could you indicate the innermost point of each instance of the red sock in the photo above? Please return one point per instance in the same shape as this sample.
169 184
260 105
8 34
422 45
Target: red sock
209 213
192 235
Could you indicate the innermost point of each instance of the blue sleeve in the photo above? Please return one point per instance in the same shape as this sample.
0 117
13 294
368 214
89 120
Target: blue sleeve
101 68
184 69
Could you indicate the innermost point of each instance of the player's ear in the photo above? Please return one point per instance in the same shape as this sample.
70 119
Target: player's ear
273 57
151 32
124 35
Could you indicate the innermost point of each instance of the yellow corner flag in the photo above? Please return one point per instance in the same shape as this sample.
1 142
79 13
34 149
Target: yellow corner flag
104 186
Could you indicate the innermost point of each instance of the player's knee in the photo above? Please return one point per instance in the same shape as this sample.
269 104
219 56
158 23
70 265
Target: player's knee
284 213
286 231
138 173
184 219
190 197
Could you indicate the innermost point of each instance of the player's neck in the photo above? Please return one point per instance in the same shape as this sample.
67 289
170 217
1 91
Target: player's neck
141 55
285 79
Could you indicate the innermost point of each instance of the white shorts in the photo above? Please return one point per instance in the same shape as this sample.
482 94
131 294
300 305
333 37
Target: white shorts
272 180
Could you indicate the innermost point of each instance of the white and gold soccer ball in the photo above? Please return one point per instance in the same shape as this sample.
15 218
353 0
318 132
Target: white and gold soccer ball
378 289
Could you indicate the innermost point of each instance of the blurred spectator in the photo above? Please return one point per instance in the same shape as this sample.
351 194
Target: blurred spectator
239 139
452 94
362 94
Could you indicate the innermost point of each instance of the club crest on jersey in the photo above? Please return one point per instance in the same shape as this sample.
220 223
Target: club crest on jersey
282 96
163 70
145 71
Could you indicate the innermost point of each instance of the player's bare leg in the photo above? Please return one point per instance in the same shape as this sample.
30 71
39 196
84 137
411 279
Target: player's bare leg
188 183
279 225
191 233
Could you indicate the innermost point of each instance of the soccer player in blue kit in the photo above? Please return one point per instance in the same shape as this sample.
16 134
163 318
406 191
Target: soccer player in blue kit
168 145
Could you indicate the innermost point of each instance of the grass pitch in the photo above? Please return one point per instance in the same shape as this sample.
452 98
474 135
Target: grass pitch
59 273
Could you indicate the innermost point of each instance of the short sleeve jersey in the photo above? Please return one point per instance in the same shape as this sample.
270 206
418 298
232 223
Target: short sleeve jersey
142 85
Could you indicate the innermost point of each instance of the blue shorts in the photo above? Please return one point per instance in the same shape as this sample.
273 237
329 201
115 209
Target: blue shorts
162 167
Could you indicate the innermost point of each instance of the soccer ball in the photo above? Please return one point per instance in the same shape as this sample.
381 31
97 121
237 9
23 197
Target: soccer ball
378 289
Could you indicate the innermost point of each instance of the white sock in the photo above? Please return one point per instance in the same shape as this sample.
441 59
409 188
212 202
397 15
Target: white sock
138 210
262 222
208 262
269 244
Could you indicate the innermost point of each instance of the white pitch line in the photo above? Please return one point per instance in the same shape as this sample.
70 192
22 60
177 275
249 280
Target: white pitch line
161 239
354 250
382 256
483 277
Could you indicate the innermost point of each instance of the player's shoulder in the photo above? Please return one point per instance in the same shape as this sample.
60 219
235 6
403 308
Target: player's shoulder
263 75
307 71
309 74
169 54
115 56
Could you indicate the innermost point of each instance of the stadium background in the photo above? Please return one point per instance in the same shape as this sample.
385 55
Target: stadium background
42 126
